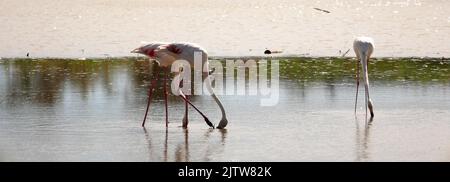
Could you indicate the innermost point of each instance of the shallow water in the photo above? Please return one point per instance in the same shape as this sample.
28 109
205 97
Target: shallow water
69 110
111 28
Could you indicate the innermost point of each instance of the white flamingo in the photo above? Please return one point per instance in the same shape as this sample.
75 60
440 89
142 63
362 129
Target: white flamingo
363 47
166 54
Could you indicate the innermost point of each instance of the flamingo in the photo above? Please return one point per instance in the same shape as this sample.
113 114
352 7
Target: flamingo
363 47
166 54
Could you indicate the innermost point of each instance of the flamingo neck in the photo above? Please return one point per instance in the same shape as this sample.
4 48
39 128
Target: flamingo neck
223 122
222 109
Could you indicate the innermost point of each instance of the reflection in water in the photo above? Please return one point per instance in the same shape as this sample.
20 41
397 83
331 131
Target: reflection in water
216 147
223 135
71 110
206 146
149 142
180 155
166 146
151 148
362 142
43 81
48 81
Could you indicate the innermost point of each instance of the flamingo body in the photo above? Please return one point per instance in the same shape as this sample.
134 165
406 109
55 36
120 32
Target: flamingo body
167 53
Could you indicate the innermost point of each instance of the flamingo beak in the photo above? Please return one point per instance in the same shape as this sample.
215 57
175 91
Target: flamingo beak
137 50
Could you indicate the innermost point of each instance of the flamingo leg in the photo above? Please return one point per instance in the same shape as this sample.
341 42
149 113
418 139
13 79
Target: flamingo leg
150 92
166 93
203 115
186 116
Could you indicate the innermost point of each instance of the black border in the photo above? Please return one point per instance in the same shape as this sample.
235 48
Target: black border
61 171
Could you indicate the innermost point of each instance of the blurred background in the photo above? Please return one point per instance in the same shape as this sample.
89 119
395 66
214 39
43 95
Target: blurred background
108 28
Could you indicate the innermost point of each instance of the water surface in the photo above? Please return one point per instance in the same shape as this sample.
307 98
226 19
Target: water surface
70 110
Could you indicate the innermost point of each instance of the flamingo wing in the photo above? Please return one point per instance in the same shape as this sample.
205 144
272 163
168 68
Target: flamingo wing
174 49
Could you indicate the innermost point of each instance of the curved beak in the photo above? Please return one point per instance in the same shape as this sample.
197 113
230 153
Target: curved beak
137 50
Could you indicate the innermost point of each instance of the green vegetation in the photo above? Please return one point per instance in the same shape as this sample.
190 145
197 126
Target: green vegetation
299 68
340 69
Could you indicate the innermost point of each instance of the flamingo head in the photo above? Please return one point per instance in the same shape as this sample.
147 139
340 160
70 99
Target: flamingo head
148 50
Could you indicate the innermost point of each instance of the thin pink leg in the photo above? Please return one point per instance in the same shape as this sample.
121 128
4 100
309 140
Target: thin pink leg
150 91
186 119
165 96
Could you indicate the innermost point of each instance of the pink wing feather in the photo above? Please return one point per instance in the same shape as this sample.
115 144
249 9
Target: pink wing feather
174 49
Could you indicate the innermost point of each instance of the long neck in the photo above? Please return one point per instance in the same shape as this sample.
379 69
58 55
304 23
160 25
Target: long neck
364 63
213 95
220 105
223 122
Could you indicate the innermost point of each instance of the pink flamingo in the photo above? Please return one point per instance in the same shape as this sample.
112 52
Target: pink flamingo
166 54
